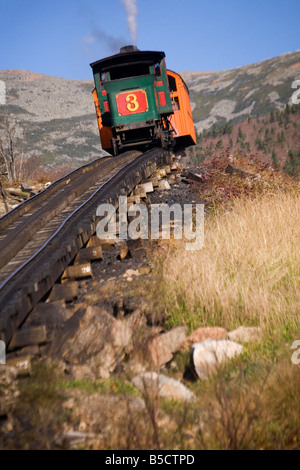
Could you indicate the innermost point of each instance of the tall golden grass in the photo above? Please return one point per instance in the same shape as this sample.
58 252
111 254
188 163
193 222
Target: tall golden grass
248 271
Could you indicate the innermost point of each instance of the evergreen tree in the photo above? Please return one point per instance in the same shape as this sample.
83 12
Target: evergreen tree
274 158
241 136
292 164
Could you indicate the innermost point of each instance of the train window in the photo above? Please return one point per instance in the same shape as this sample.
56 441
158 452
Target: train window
175 103
129 71
157 70
102 77
172 83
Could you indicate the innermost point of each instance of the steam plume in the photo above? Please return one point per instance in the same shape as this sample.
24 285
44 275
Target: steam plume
112 44
132 18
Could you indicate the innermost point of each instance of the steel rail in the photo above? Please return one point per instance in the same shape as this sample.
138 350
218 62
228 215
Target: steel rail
44 246
17 237
24 288
30 203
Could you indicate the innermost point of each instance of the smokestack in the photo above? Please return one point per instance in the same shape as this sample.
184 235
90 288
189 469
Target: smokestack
132 18
128 49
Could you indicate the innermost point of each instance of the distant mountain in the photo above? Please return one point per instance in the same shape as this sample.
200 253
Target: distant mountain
235 94
55 118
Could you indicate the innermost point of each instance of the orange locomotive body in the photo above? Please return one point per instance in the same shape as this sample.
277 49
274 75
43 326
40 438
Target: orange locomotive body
182 119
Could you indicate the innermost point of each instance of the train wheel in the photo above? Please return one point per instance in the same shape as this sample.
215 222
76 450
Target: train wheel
115 147
163 139
167 140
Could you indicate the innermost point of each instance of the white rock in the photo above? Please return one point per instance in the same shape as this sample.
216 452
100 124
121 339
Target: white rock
208 354
131 272
74 437
166 387
128 275
163 185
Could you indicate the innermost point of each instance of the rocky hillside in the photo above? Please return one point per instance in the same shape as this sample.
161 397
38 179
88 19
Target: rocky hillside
55 117
234 94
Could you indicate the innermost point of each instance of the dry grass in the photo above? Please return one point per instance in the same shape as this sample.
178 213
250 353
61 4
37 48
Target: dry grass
244 408
248 271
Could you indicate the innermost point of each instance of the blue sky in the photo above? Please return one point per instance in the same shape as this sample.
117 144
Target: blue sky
61 37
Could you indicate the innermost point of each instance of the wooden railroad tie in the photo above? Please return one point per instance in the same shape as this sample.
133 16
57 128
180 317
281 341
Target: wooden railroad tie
77 272
28 337
91 253
67 292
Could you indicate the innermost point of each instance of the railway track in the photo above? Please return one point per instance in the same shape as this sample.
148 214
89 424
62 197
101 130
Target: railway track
43 235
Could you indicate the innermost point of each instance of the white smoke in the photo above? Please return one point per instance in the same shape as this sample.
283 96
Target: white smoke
132 18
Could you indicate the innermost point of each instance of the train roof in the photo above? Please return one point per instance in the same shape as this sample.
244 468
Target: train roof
128 55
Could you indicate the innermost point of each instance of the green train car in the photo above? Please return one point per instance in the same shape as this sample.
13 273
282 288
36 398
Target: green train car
132 100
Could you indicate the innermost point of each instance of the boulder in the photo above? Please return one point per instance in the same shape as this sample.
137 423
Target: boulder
128 275
81 372
73 438
93 338
26 187
152 383
244 334
208 354
163 185
137 320
162 347
202 334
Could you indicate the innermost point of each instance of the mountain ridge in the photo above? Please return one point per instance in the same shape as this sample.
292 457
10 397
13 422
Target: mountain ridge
244 65
249 90
54 118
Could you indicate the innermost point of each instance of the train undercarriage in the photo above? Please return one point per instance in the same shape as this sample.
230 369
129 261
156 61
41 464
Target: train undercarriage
145 135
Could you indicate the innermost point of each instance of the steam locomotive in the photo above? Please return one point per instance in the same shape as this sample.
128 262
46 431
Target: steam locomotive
140 104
